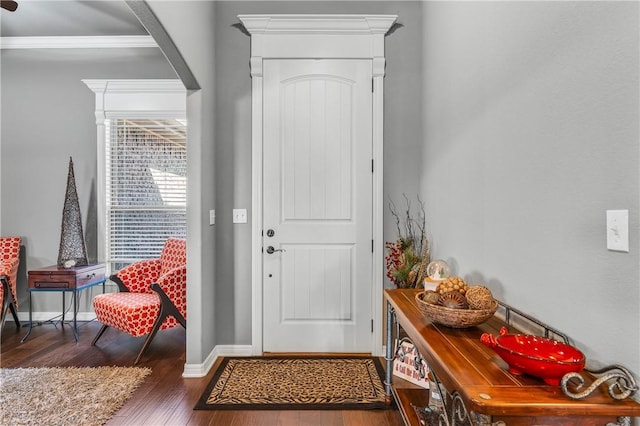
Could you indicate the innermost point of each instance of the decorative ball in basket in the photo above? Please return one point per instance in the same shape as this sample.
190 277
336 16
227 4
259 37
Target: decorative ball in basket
456 305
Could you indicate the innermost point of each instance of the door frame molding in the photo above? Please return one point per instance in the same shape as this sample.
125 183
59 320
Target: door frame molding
313 37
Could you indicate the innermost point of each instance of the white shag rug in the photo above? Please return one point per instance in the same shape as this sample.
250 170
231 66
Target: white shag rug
60 396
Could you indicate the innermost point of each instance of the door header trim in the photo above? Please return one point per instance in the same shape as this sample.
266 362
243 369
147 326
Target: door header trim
317 36
315 24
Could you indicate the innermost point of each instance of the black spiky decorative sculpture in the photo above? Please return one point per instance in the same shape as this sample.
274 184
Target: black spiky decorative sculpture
73 251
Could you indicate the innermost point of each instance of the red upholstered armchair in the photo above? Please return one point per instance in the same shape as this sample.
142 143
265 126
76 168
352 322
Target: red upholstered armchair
9 261
152 297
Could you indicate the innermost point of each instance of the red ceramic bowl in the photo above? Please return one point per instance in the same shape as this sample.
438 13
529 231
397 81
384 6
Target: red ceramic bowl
537 356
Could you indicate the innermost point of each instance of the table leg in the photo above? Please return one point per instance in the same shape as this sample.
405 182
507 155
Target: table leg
389 356
30 320
75 314
63 303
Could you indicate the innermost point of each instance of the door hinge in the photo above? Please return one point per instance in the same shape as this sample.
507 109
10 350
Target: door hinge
372 326
372 85
372 165
371 246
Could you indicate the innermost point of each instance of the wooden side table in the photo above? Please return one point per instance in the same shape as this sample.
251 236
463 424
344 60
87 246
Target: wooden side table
74 280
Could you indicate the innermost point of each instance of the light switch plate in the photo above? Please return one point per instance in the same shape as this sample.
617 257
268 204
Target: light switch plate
618 230
212 217
239 215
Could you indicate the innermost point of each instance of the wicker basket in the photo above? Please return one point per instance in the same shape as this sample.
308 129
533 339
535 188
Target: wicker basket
456 318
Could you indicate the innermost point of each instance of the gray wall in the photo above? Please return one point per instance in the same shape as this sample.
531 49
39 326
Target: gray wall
47 117
516 122
403 130
531 134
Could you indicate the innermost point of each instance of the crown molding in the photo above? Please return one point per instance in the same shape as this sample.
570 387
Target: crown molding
318 24
135 85
77 42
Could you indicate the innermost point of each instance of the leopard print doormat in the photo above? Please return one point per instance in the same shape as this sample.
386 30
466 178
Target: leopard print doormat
299 383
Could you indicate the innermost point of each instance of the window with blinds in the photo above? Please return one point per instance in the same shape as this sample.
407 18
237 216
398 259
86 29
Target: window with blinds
146 187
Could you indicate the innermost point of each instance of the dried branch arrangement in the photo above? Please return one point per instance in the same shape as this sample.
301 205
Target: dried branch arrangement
408 256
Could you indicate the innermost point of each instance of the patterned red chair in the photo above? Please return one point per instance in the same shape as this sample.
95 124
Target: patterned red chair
152 295
9 262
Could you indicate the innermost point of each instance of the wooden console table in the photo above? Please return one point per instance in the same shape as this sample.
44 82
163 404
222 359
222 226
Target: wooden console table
479 388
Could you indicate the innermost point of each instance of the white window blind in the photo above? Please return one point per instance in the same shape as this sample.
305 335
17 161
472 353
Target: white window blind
146 187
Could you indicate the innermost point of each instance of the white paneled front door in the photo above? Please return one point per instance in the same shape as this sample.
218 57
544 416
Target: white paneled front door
317 205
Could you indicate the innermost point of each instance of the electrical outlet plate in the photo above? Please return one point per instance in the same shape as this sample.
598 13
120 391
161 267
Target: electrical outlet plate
239 215
618 230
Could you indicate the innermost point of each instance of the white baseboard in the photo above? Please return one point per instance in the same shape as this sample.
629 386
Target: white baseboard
190 370
201 370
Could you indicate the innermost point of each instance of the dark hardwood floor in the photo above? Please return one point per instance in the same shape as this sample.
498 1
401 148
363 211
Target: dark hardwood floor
165 398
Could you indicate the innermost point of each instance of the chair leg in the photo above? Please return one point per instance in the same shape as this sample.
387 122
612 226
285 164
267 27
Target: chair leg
156 326
12 308
5 305
100 333
3 314
167 308
8 302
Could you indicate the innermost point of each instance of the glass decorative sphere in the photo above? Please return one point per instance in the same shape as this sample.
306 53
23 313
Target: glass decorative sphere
438 270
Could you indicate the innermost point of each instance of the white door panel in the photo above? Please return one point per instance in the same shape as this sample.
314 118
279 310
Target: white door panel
316 282
317 198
